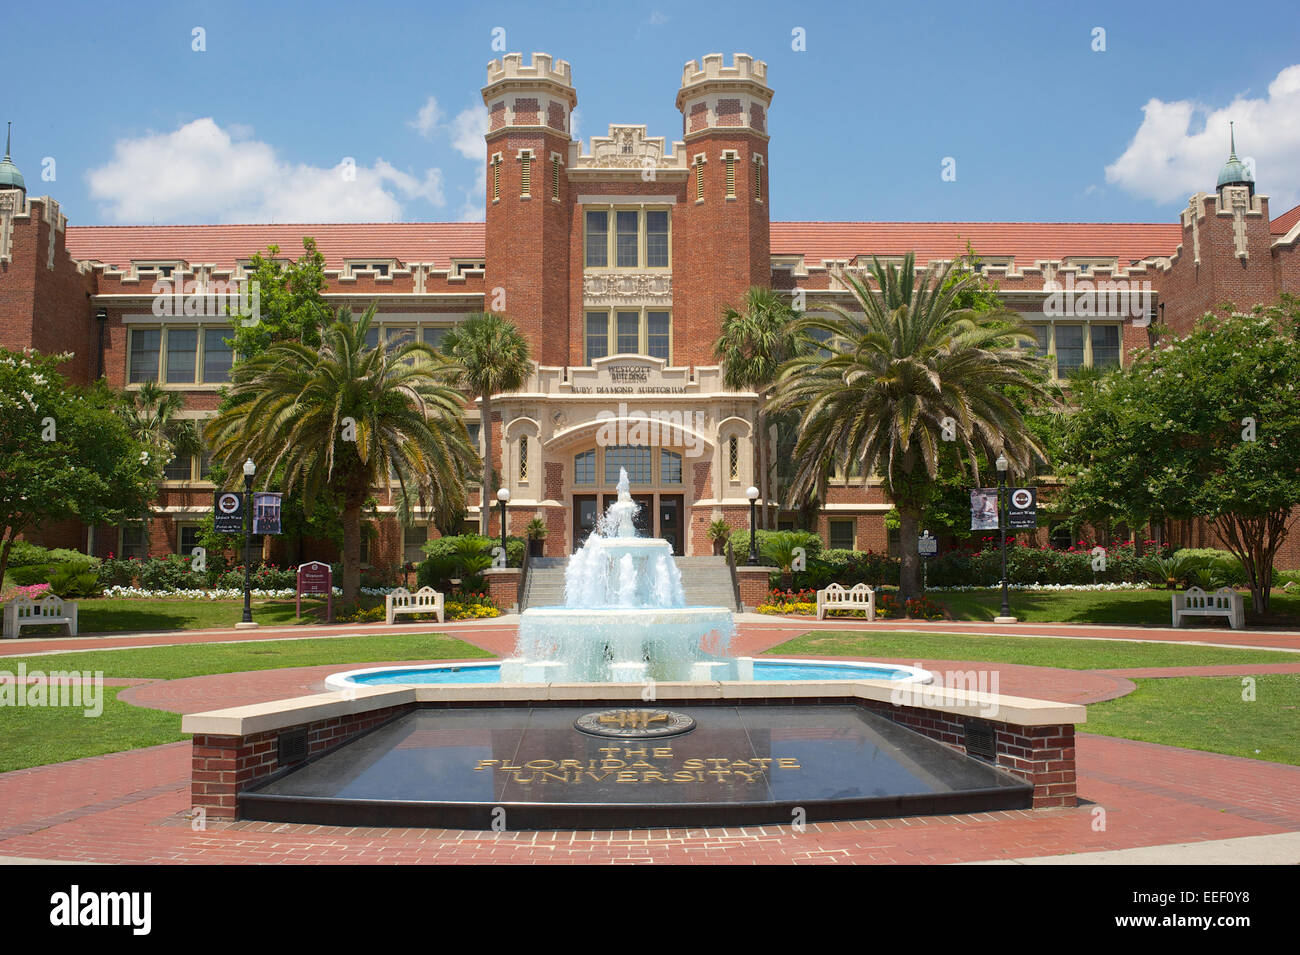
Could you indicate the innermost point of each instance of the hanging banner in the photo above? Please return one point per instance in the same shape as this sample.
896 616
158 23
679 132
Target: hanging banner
984 509
228 512
1023 512
266 512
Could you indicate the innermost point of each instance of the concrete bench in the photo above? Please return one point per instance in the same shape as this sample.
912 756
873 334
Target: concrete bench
1224 602
25 612
857 597
401 600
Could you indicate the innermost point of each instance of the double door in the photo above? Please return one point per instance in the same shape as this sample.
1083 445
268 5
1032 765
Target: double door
657 515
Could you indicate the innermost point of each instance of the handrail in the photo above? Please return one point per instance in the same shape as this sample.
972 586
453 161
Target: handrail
735 581
523 578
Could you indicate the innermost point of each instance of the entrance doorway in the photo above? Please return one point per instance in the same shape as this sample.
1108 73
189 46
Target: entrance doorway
670 522
645 509
584 517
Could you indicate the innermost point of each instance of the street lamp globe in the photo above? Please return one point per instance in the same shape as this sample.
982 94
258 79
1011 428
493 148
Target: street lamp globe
1002 463
752 494
503 495
249 468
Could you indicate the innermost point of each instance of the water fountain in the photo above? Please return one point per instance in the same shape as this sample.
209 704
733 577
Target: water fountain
624 618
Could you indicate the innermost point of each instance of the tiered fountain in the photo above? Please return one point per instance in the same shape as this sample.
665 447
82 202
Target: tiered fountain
624 618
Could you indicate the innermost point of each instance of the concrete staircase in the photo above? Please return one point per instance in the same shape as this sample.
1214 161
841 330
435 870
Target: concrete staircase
706 581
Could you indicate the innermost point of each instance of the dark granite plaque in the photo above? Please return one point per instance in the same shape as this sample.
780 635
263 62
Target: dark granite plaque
530 768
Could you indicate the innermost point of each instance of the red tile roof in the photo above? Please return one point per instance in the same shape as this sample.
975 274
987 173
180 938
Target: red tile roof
1286 221
1025 241
438 242
222 245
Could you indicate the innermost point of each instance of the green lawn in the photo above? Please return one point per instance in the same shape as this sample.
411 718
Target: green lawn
1208 713
160 614
1032 651
1149 608
33 736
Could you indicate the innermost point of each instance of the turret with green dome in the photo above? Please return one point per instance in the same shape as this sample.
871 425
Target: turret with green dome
1234 171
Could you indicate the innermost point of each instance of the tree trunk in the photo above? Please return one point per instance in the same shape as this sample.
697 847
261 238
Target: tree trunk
909 571
4 552
485 507
351 549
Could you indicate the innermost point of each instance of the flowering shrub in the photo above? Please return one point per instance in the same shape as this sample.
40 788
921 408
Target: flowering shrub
263 576
1029 563
456 610
31 592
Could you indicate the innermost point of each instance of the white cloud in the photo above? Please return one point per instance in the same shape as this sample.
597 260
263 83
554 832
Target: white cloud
201 173
467 132
574 119
428 119
1181 145
657 18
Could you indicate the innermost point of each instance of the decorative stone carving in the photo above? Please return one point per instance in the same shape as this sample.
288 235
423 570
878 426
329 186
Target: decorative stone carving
1192 214
626 147
54 219
11 204
1238 200
627 288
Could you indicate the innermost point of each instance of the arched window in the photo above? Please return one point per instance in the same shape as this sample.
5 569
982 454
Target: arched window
523 458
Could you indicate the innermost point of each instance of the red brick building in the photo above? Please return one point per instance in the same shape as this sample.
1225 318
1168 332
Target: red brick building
617 263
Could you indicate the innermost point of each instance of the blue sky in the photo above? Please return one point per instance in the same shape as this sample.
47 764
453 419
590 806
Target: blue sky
142 128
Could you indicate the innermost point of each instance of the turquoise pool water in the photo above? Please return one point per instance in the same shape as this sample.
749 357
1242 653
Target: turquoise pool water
491 673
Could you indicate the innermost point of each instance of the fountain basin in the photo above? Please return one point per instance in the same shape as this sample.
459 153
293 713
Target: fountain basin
747 668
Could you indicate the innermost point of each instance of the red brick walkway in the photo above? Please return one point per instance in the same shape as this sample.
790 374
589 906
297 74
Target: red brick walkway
131 807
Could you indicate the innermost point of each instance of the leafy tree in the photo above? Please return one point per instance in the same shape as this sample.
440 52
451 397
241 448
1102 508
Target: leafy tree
1205 426
752 347
291 303
888 379
486 355
152 416
344 418
65 453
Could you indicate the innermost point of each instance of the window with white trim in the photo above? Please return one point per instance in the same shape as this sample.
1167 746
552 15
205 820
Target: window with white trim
189 355
629 332
627 238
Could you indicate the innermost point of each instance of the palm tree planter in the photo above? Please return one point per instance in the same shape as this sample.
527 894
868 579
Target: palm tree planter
347 419
719 531
892 383
536 532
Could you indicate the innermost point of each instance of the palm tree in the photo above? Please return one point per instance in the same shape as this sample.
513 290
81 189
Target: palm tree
752 347
153 418
345 418
891 378
487 355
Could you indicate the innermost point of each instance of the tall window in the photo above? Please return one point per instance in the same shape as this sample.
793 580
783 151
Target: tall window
145 345
758 178
659 335
1069 348
629 333
1105 346
635 238
656 239
629 235
182 351
523 458
841 535
699 179
555 177
730 162
217 356
433 335
584 468
597 335
496 178
670 467
597 240
134 542
733 458
526 174
413 541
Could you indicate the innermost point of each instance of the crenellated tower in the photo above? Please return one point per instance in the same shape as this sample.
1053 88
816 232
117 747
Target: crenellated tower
528 200
721 234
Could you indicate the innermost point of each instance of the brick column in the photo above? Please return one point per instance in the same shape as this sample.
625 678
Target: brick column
753 583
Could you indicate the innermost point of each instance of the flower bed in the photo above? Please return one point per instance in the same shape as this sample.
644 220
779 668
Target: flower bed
803 603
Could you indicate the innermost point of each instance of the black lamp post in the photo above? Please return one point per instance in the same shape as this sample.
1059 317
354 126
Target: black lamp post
752 494
1002 465
503 496
249 470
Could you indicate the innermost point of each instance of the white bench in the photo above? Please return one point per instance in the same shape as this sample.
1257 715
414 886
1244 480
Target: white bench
1224 602
857 597
401 600
25 612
